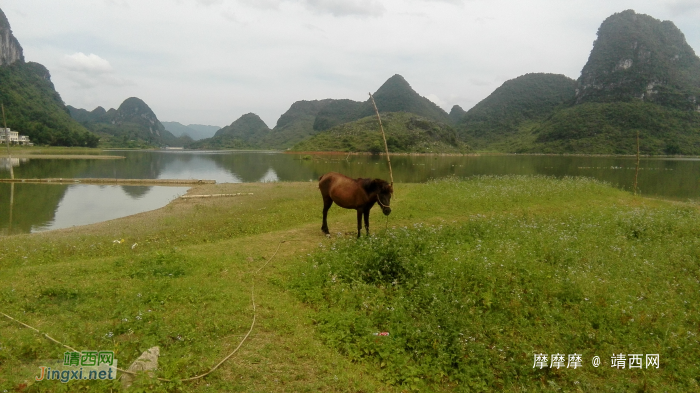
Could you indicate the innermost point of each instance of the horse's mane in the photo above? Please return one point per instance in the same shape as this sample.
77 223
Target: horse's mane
375 185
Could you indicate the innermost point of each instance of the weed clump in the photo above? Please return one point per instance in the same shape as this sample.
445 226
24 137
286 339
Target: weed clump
469 305
158 265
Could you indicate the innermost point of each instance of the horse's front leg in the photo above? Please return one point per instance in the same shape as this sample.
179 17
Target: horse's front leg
366 213
359 222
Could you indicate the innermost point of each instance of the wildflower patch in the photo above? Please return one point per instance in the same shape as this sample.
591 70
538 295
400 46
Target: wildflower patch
469 304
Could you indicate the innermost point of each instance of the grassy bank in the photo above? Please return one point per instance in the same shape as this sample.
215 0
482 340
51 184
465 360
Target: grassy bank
472 278
51 150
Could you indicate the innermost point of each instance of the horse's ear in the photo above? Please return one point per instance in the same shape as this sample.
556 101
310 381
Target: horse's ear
386 187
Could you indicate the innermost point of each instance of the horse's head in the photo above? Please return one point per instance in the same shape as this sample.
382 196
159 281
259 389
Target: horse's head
386 190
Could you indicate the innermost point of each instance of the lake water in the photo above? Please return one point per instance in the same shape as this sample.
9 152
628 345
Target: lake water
38 207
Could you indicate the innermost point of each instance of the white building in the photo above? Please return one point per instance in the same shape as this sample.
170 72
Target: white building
15 137
6 163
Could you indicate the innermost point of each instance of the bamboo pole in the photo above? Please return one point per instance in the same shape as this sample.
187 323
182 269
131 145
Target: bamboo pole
7 140
636 170
386 147
12 202
144 182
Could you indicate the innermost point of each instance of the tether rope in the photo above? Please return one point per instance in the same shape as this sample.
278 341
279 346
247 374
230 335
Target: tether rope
386 150
386 147
252 325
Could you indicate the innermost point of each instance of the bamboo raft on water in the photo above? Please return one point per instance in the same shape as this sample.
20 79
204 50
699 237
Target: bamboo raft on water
216 195
140 182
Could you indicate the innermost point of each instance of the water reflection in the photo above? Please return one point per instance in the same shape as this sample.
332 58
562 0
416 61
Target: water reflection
32 204
269 177
7 163
87 204
39 207
26 208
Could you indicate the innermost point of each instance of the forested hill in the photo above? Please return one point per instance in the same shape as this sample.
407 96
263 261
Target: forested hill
305 119
395 95
10 49
194 131
525 99
247 132
295 125
457 113
641 77
32 105
133 124
405 133
639 58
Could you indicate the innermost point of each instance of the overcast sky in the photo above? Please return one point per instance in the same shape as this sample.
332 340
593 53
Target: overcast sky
211 61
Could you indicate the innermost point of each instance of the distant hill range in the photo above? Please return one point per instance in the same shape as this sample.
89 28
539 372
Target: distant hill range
133 124
641 77
305 119
405 133
395 95
247 132
32 105
194 131
518 103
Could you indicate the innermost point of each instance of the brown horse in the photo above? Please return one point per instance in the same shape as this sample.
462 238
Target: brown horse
358 194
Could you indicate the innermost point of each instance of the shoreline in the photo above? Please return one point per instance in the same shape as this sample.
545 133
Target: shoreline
478 154
63 156
56 152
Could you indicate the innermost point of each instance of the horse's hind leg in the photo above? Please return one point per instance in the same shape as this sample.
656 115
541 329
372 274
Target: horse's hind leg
359 222
327 202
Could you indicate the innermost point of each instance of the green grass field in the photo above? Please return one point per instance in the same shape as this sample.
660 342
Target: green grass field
471 280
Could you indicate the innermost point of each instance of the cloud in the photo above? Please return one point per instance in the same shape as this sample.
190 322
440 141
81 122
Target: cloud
88 71
437 101
229 15
118 3
209 2
91 63
480 82
314 27
484 19
262 4
336 8
346 7
444 1
679 7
